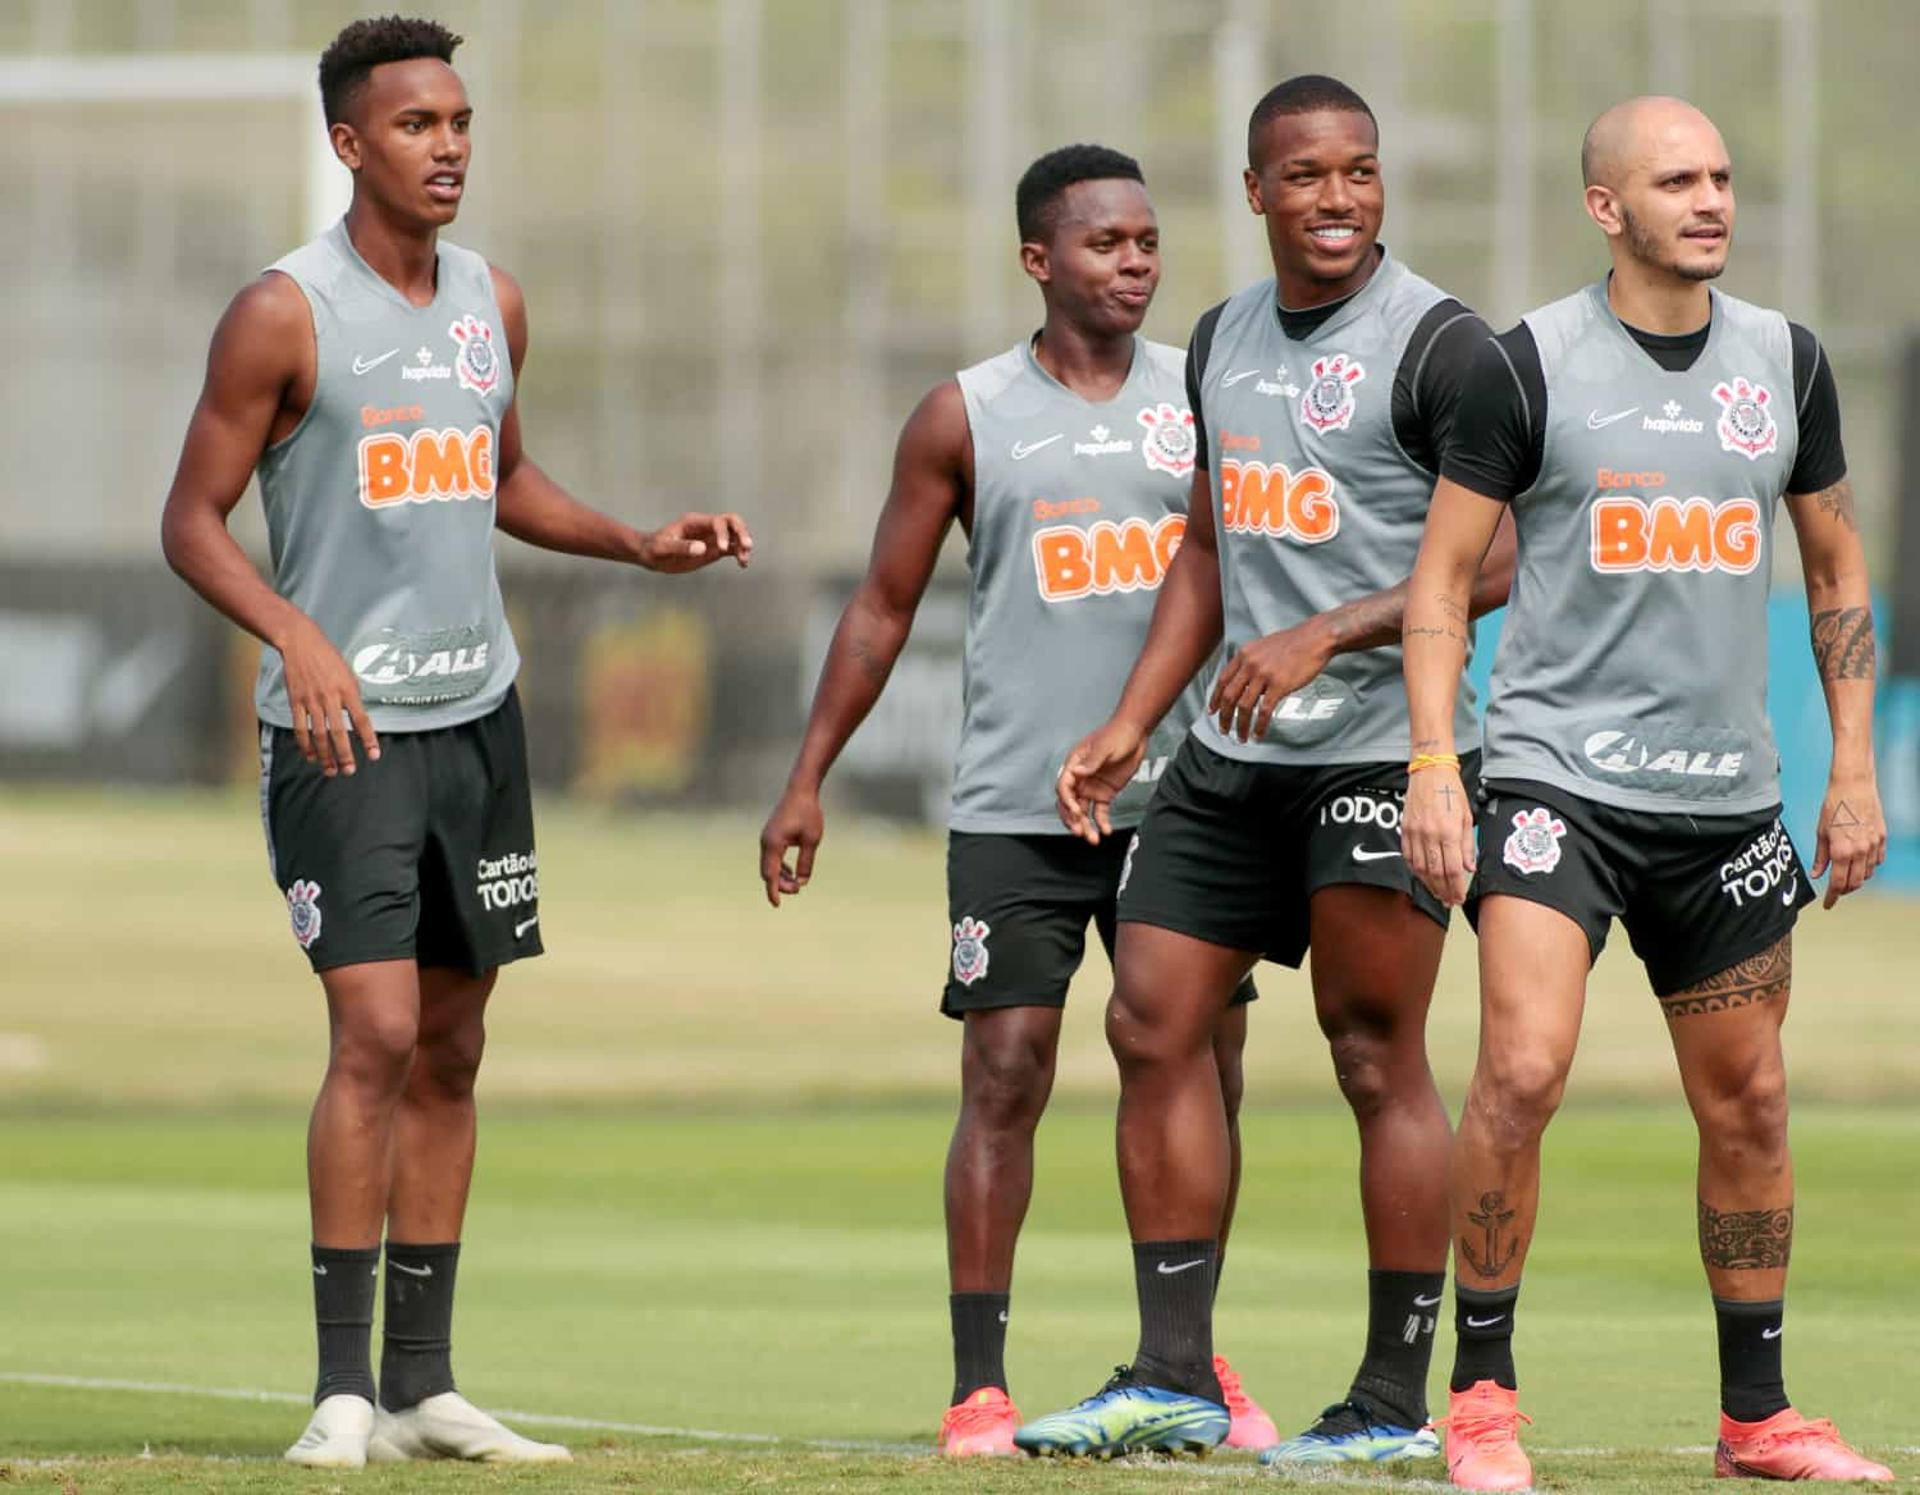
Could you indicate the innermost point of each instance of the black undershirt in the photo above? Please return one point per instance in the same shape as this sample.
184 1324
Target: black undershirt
1427 385
1500 424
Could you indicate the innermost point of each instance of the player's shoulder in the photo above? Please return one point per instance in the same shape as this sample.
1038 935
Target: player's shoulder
1164 359
986 381
1556 325
1248 303
271 307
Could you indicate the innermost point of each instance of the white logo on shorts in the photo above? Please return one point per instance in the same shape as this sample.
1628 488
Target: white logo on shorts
1765 865
1534 845
969 950
1126 865
303 907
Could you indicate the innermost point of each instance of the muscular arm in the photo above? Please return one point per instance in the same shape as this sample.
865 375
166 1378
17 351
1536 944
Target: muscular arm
932 476
1852 829
1186 624
530 506
261 370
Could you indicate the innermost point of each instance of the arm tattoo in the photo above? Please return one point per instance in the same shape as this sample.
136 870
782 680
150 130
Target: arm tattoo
1426 744
1766 977
869 660
1453 633
1838 501
1493 1217
1450 606
1844 817
1756 1239
1843 643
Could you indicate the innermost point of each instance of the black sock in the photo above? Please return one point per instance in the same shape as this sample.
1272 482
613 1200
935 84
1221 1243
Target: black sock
344 1279
416 1358
1174 1281
1402 1310
979 1342
1483 1322
1219 1270
1751 1387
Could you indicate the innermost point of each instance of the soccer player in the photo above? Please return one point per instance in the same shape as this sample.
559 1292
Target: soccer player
1066 461
369 377
1642 432
1325 397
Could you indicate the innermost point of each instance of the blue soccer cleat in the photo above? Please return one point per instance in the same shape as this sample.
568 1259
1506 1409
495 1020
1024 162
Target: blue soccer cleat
1351 1432
1126 1416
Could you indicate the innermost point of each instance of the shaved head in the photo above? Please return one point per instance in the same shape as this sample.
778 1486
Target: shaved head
1631 134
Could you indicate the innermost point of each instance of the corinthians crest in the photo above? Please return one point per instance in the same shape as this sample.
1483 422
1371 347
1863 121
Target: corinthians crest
477 367
1534 845
1169 443
1746 425
1327 404
303 908
969 950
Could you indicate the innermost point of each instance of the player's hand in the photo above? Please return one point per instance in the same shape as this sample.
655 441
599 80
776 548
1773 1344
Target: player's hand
696 540
324 697
1100 766
1260 676
1436 832
796 824
1852 835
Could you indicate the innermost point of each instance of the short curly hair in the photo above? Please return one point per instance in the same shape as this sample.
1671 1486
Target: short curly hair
1036 201
363 45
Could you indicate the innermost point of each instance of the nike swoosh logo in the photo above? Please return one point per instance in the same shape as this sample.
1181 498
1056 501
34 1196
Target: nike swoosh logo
1167 1271
1788 896
368 365
1474 1323
1770 1333
1427 1302
1227 381
1025 449
1361 854
1596 421
524 925
319 1271
401 1266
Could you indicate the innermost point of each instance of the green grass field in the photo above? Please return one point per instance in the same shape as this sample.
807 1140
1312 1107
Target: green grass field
706 1224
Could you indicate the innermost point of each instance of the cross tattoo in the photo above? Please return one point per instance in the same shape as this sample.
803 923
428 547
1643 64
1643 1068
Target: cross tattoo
1446 793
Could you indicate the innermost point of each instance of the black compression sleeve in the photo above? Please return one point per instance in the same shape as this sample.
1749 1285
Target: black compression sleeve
1822 459
1499 427
1199 347
1431 375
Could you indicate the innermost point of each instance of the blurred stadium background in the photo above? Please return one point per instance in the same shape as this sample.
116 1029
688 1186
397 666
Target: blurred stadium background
752 233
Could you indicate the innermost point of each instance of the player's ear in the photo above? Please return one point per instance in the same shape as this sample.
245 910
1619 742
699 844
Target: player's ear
1254 199
346 145
1036 261
1603 207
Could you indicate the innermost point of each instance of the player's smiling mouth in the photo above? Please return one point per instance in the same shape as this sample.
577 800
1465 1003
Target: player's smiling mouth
1335 235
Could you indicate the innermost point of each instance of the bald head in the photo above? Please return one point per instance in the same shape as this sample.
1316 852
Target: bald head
1635 133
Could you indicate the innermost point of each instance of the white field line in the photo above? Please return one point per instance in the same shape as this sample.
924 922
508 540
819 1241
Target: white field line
653 1430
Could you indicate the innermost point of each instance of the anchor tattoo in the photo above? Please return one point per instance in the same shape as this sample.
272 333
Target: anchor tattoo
1492 1217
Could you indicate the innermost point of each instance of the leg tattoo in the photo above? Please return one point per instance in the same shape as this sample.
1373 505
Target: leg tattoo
1493 1217
1755 1239
1765 977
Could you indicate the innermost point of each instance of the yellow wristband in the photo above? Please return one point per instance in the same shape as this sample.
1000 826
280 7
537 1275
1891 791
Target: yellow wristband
1433 760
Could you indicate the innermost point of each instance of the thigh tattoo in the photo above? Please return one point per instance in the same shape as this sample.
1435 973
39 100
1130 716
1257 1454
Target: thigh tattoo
1766 977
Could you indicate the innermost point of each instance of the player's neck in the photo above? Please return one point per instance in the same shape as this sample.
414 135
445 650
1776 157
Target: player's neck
1298 292
1658 301
1092 366
406 258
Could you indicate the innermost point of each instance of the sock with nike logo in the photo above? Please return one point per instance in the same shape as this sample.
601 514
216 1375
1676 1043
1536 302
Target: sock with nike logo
1174 1281
979 1342
1483 1325
416 1353
344 1279
1751 1386
1402 1310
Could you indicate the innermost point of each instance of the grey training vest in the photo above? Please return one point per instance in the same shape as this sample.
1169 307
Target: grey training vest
1077 510
1315 505
1633 666
380 504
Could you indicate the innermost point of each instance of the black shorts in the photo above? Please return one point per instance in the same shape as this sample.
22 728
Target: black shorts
1019 906
1697 893
1232 853
426 855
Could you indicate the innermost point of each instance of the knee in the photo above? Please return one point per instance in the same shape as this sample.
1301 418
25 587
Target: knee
1362 1068
373 1050
1233 1080
1004 1085
446 1063
1516 1095
1750 1114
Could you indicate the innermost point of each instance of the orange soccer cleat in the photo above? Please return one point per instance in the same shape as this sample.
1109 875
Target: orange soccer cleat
1483 1439
982 1424
1250 1427
1787 1446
